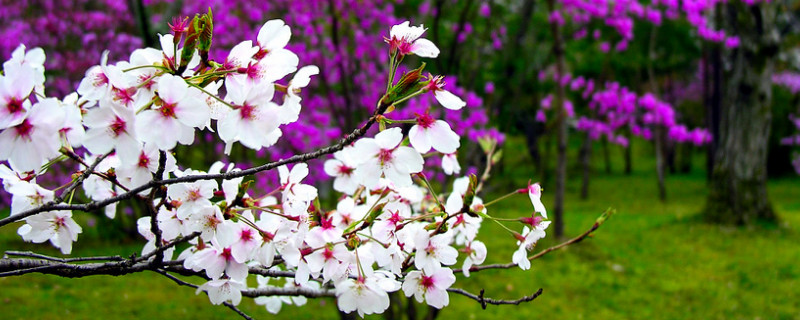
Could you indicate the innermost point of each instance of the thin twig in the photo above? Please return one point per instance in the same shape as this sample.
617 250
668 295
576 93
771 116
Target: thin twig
484 300
163 248
65 260
540 254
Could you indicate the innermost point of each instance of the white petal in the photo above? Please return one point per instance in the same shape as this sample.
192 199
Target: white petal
425 48
449 100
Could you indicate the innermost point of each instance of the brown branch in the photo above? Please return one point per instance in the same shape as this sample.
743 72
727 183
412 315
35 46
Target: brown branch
540 254
484 301
289 291
64 260
184 283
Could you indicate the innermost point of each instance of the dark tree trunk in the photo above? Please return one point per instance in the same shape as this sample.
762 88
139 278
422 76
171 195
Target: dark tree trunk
658 138
586 158
738 186
606 156
561 127
629 153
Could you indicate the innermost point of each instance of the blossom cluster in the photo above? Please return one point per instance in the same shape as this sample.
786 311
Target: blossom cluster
614 107
390 229
352 65
619 15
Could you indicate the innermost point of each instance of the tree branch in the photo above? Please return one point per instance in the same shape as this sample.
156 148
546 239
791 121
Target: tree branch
484 301
540 254
184 283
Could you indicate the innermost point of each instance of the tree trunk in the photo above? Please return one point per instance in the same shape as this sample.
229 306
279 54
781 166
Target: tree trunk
738 186
586 158
628 153
658 138
561 127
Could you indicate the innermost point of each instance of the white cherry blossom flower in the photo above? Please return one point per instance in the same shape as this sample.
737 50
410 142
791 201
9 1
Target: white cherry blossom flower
406 40
342 168
364 295
180 112
255 117
111 127
56 226
446 98
193 196
450 164
430 285
476 254
535 193
382 156
33 59
241 238
222 290
433 252
14 91
27 195
216 259
429 132
34 141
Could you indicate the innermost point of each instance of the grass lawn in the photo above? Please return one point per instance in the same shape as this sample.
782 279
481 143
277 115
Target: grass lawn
652 260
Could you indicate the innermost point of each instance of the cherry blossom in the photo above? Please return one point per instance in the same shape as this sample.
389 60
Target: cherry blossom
192 196
431 285
383 157
111 127
433 252
26 195
56 226
29 144
446 98
364 295
342 167
535 193
180 111
222 290
255 118
405 39
429 133
476 254
450 164
14 91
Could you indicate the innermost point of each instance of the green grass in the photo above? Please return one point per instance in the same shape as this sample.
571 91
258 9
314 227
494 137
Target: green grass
651 260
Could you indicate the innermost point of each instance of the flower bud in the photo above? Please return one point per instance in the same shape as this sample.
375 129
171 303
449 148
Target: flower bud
409 84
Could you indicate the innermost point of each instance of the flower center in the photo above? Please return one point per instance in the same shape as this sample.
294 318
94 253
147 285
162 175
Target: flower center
345 170
403 46
144 161
168 110
24 129
14 106
385 155
124 96
246 112
326 223
425 120
328 253
247 235
194 195
426 282
226 253
118 126
100 79
59 222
